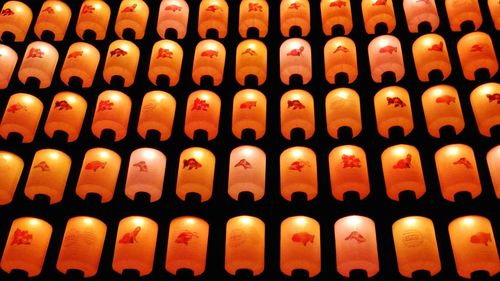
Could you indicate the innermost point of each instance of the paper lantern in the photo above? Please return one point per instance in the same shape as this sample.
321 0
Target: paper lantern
245 243
385 55
146 171
419 13
54 18
81 62
66 114
93 19
187 245
416 246
11 168
430 54
356 245
343 109
495 12
82 245
213 17
27 235
48 175
15 19
202 113
297 112
21 116
442 108
122 62
393 109
112 112
474 246
173 15
348 171
336 14
254 15
493 158
295 14
295 60
403 171
300 246
99 174
476 52
298 172
462 11
249 113
340 58
40 60
378 13
251 60
247 172
166 60
209 59
8 60
132 17
485 100
157 114
196 173
135 245
457 171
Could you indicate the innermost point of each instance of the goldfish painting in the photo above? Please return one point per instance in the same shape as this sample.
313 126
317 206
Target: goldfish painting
356 236
62 105
185 236
296 52
7 12
396 101
379 3
303 238
254 7
129 9
481 238
388 49
16 107
130 237
298 165
338 3
48 10
463 161
243 163
437 47
477 48
190 164
341 48
173 8
105 105
164 53
248 105
250 51
21 237
494 97
35 53
209 53
143 167
95 165
75 54
118 52
350 161
295 104
44 167
200 105
88 9
403 163
213 8
294 5
445 99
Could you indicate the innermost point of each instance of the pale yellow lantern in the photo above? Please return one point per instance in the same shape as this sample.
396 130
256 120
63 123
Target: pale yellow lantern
476 52
173 15
340 59
121 62
295 60
21 116
93 19
343 110
213 17
11 168
157 114
251 61
295 14
431 55
39 62
348 171
249 113
196 173
420 13
493 159
485 101
336 15
463 11
112 112
247 172
132 18
53 18
378 14
495 12
442 108
81 64
386 58
209 60
393 109
298 173
8 61
297 112
202 113
165 62
15 19
66 114
254 17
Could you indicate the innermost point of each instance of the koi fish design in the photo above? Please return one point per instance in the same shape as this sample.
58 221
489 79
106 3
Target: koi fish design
437 47
350 161
48 10
379 3
190 164
118 53
445 99
185 236
388 49
341 48
164 53
75 54
44 167
295 5
35 53
463 161
248 105
254 7
338 3
295 104
16 107
397 102
296 52
200 104
250 51
481 238
21 237
62 105
243 163
477 48
210 53
173 8
105 105
129 9
143 167
95 165
214 8
88 9
298 165
303 238
356 236
130 237
494 97
7 12
403 163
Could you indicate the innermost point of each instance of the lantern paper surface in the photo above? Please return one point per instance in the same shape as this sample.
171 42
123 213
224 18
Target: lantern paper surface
8 60
195 173
11 168
343 109
442 108
247 172
166 60
146 170
418 12
122 61
81 61
22 116
213 15
298 172
430 53
94 16
476 51
157 113
209 60
295 13
297 111
16 19
54 16
392 109
39 61
132 14
249 112
376 12
485 105
295 59
495 12
251 59
202 113
253 14
66 114
173 14
348 171
335 14
493 158
112 112
460 11
385 55
340 57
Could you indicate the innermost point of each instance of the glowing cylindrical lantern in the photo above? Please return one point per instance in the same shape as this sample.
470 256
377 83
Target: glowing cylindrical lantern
251 60
457 171
146 171
474 246
209 60
15 18
66 114
187 245
94 17
247 172
343 109
26 246
385 55
442 108
254 14
297 111
202 113
82 245
348 171
135 245
213 15
157 113
99 174
416 246
295 59
495 12
295 14
336 14
420 12
376 13
393 109
476 51
173 15
300 245
122 62
112 112
81 62
22 116
54 17
245 243
356 245
11 167
8 60
460 11
493 158
195 173
485 101
430 54
166 60
133 15
298 172
249 112
340 57
39 62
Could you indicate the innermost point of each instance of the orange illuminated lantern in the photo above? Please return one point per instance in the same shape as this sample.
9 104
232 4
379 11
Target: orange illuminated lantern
385 55
495 12
11 168
416 246
442 108
173 15
462 11
202 113
157 113
457 171
378 13
343 109
66 114
298 172
99 174
187 245
295 14
249 113
213 16
474 246
348 171
94 18
493 158
135 245
245 243
300 246
356 245
297 111
82 245
336 14
132 17
21 116
8 60
146 170
81 62
340 58
254 15
16 19
122 61
420 12
247 172
209 60
196 173
476 52
27 235
54 18
251 60
112 112
295 59
430 54
166 60
485 101
393 109
39 62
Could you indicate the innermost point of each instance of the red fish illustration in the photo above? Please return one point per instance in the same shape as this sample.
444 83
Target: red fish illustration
248 104
105 105
213 8
44 167
173 8
296 52
303 237
249 51
16 107
425 1
341 48
243 163
164 53
445 99
130 237
294 5
350 161
388 49
298 165
494 97
379 3
200 105
209 53
95 165
481 238
396 101
21 237
338 3
403 163
63 105
48 10
190 164
464 162
75 54
118 52
295 104
7 12
129 9
88 9
437 47
35 53
356 236
185 236
254 7
143 167
478 47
